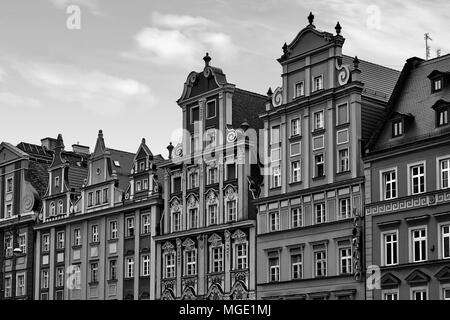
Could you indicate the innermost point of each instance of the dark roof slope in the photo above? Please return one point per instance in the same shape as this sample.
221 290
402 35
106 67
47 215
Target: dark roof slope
247 106
36 151
126 161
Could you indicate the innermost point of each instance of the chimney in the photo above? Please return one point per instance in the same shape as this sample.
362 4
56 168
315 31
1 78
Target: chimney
78 148
49 143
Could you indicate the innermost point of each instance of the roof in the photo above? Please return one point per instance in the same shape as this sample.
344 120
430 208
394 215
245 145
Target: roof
379 81
126 161
35 150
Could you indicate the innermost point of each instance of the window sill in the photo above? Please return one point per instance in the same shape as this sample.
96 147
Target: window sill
275 188
318 178
296 137
129 237
92 244
144 277
112 281
78 246
113 240
93 284
296 183
341 173
342 125
318 131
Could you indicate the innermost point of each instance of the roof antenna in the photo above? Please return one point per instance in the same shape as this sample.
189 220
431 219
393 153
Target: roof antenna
427 47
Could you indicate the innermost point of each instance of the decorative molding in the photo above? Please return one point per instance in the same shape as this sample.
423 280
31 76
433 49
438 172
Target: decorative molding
168 247
188 244
239 236
344 73
277 97
215 240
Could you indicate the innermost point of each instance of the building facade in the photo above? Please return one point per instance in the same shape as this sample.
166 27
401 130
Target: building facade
407 188
206 246
22 184
99 214
309 238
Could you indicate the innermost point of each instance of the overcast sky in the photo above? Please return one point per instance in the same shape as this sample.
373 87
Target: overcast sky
124 69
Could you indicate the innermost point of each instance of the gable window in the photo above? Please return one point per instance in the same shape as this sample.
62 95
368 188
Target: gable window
343 160
141 166
105 195
299 89
437 85
77 237
129 267
138 186
145 224
241 256
390 294
275 135
211 109
195 114
60 240
231 210
145 184
390 248
193 218
417 179
212 213
319 166
342 114
9 185
317 83
295 171
297 265
318 120
274 269
90 199
145 265
60 207
94 233
397 128
344 208
418 244
445 241
295 127
296 218
319 212
169 263
389 184
419 293
130 226
98 196
274 221
444 173
191 262
113 230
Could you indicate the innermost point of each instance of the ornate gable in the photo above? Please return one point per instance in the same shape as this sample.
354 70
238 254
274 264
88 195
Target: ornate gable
417 277
389 280
443 275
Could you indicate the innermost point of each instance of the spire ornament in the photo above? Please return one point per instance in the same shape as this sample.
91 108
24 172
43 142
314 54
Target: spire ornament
338 28
311 19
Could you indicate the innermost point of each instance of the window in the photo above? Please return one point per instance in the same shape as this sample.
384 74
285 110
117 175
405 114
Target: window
195 114
318 120
297 265
419 294
60 207
295 127
390 295
418 244
241 256
9 185
45 242
343 160
59 277
344 208
211 109
212 213
217 259
319 166
296 218
317 83
191 262
210 138
23 243
8 245
8 286
20 285
212 175
98 197
231 210
44 279
52 209
116 163
130 226
445 241
276 176
94 272
145 224
299 89
320 263
230 170
112 269
295 171
319 211
342 114
296 149
390 248
77 237
90 199
8 211
142 166
274 269
176 221
437 85
389 184
417 179
345 260
170 265
444 175
113 230
397 128
56 182
446 293
195 143
145 184
176 184
60 240
193 218
442 117
275 135
145 265
274 221
94 234
193 179
129 267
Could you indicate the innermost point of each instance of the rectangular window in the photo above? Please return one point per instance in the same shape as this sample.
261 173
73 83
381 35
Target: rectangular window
275 135
94 233
230 170
23 243
145 224
193 218
231 210
138 186
20 285
390 248
319 212
45 242
296 218
145 184
274 269
397 128
318 120
145 265
94 272
44 279
212 213
241 256
299 89
345 260
297 266
9 245
212 175
317 83
112 269
446 293
176 221
211 109
419 294
193 180
344 208
59 277
176 184
417 174
77 237
444 173
389 184
274 221
170 265
445 241
295 127
320 263
56 182
129 267
195 114
217 259
130 226
98 197
8 286
319 166
113 230
9 185
8 211
191 262
342 114
295 171
390 295
276 176
141 166
90 199
60 240
419 245
437 85
343 160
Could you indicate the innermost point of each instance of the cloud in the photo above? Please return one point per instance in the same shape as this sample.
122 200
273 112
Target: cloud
2 74
11 100
180 40
91 90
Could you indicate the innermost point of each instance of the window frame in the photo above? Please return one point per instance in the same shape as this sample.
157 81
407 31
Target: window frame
208 116
340 160
299 127
398 128
22 287
411 243
191 118
439 171
321 87
384 247
276 275
274 227
410 177
145 265
129 262
383 186
324 218
302 84
347 114
422 289
321 120
323 261
442 236
316 165
146 223
113 232
299 219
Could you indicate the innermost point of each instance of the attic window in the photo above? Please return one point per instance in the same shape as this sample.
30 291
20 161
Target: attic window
397 128
437 85
442 116
116 163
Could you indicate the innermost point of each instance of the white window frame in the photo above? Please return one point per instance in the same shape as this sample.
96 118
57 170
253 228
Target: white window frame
442 236
190 216
387 292
45 242
411 243
23 245
60 207
8 289
57 182
347 259
383 247
240 260
52 208
113 229
340 160
294 133
129 267
209 175
130 226
94 275
423 289
77 236
315 124
170 269
300 253
94 233
275 268
439 172
145 263
302 94
383 186
231 214
275 177
323 215
276 226
45 279
19 286
60 240
190 267
314 89
316 165
112 269
60 277
216 218
295 171
299 215
410 166
443 289
348 214
146 223
195 175
323 260
437 85
208 116
176 217
219 259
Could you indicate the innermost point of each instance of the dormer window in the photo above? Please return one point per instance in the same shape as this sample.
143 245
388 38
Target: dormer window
299 89
318 83
142 166
439 79
401 123
442 109
437 85
397 128
56 182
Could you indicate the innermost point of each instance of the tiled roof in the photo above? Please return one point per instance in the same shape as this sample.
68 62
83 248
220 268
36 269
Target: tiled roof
126 161
35 150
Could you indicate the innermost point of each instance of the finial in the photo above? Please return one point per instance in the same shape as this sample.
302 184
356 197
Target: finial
207 59
311 19
170 147
285 48
143 140
356 62
100 133
59 142
269 92
338 28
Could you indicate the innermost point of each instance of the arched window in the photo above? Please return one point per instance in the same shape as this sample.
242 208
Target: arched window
60 207
52 209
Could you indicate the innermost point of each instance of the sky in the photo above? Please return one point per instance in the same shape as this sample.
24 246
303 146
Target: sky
120 66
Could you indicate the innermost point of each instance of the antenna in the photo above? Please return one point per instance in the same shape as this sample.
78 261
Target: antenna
427 48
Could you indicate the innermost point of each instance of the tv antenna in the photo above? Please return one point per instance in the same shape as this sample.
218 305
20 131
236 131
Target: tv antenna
427 47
